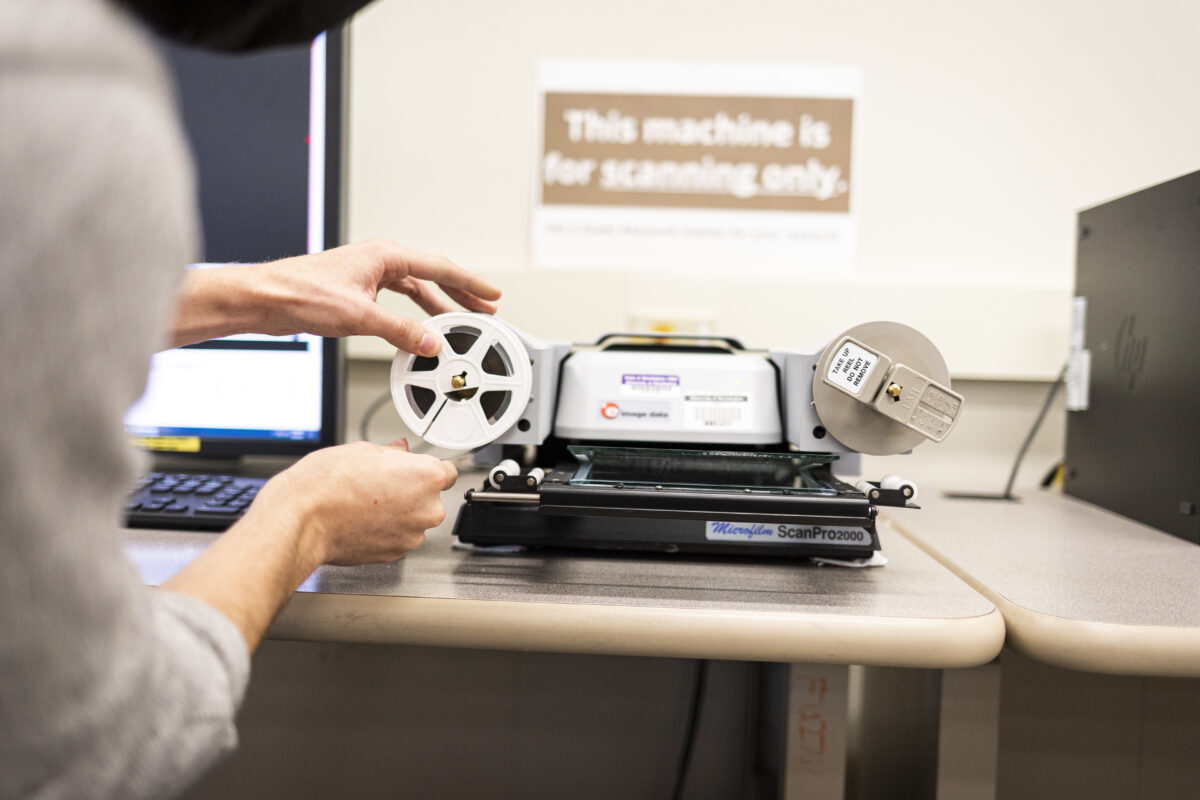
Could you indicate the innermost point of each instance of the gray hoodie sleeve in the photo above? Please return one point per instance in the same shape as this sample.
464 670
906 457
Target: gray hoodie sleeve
108 688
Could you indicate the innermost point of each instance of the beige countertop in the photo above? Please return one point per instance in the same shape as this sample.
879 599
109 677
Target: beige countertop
1079 587
912 612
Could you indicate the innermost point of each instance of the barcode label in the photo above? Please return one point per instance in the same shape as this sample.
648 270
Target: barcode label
716 417
725 416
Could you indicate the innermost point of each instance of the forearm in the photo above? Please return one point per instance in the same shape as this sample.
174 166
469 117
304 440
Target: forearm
331 294
249 573
222 301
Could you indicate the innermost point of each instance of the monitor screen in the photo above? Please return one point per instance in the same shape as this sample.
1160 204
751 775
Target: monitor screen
265 133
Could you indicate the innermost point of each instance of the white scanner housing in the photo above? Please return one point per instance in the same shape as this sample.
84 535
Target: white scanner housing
662 396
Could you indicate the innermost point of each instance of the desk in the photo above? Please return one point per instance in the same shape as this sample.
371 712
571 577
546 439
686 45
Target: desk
1079 587
911 613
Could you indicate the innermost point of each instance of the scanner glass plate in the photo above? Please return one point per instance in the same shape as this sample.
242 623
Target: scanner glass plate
782 473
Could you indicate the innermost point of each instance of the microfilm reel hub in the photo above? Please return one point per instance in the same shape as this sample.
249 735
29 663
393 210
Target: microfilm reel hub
473 391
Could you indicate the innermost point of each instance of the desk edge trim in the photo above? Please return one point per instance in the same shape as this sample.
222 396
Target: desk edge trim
642 631
1102 647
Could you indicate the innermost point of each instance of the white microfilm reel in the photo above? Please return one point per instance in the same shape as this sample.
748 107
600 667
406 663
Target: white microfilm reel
472 391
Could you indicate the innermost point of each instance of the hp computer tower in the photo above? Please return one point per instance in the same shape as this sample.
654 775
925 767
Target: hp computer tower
1135 449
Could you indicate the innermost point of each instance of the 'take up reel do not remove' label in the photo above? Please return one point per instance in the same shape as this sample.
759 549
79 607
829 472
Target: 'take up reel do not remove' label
850 369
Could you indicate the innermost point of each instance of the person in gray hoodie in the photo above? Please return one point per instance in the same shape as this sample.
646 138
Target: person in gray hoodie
109 688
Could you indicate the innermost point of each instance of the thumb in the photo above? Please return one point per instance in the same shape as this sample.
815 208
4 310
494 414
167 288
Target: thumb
451 475
399 444
402 332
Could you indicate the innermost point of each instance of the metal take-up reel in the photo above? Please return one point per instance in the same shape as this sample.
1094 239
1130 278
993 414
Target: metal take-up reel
882 388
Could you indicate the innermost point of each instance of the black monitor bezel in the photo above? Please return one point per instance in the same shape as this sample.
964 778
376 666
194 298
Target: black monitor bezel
333 350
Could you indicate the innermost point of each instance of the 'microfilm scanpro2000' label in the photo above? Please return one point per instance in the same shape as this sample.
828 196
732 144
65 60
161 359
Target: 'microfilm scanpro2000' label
782 533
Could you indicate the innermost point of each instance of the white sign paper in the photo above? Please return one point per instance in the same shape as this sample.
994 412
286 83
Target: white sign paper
685 166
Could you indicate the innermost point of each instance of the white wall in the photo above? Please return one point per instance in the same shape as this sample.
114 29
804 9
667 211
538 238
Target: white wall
982 131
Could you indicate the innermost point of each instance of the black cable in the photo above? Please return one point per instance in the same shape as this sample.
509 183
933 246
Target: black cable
689 741
1037 424
371 411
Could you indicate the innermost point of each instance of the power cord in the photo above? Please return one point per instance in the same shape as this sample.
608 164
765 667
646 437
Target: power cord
1012 476
689 741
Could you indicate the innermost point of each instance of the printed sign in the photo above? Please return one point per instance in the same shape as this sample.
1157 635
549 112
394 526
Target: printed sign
697 152
667 165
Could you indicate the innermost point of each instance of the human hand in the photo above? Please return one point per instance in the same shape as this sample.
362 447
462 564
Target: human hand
357 503
330 294
354 504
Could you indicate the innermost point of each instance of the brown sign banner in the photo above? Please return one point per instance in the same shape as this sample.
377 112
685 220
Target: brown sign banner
687 151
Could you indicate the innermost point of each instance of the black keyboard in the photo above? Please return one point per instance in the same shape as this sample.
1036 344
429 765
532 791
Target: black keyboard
190 500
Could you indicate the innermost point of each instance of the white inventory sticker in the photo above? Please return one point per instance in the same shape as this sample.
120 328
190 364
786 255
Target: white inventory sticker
649 385
1078 322
851 367
716 411
1079 379
782 533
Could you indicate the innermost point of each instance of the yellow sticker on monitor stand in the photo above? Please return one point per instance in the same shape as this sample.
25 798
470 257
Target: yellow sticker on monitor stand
168 444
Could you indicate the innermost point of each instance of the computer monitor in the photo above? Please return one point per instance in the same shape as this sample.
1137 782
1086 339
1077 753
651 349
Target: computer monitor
265 130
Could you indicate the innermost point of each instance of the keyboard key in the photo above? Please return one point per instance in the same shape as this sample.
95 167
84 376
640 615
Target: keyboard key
190 500
224 510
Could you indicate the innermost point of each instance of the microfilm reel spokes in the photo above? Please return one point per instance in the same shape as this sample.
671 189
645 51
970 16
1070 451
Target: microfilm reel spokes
473 391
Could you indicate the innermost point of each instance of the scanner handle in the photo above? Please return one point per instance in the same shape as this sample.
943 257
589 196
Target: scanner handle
732 343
